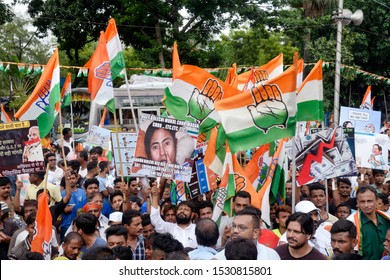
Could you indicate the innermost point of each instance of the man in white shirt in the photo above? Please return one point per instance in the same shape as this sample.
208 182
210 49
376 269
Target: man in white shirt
183 230
247 224
55 173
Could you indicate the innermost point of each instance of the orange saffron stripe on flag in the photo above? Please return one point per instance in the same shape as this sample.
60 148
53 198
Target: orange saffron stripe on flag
111 30
46 75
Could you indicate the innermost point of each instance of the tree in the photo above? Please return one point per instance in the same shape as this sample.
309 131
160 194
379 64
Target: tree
20 45
5 13
149 26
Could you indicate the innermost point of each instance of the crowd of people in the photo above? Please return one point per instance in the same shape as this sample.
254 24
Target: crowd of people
96 215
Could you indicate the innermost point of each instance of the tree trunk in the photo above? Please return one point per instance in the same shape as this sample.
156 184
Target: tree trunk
160 44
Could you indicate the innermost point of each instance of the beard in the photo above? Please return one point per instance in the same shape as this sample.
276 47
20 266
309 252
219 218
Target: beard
182 219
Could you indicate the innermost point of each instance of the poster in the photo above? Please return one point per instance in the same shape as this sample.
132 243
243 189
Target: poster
361 119
202 178
323 155
20 148
126 147
372 150
165 147
98 136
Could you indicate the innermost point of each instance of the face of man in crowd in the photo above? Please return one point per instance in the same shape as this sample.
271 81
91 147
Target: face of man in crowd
116 240
170 216
315 216
206 212
386 244
344 189
342 212
28 210
73 180
133 187
318 198
282 218
296 239
5 191
135 227
242 226
366 202
52 162
91 189
183 215
240 203
162 146
342 243
73 249
148 230
288 189
379 179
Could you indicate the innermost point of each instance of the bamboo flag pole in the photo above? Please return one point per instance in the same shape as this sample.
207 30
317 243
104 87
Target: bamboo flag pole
131 103
119 148
72 126
62 139
46 178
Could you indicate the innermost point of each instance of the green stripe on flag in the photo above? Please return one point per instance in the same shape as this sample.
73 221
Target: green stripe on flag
310 111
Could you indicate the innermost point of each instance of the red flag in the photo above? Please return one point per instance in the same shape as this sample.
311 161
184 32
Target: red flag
43 228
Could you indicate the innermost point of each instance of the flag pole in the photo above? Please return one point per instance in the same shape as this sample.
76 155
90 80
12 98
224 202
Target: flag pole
46 178
119 147
387 114
130 100
62 139
72 125
293 176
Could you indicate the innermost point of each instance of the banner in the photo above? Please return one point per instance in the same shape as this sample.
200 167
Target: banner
361 119
165 148
98 136
372 150
202 178
20 148
126 146
323 155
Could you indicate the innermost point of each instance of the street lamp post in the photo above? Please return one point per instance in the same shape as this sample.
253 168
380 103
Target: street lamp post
342 17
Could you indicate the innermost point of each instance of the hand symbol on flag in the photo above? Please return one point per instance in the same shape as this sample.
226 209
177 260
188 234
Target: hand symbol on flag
240 182
260 76
269 109
201 103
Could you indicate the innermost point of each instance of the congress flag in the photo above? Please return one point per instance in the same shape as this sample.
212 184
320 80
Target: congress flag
176 65
310 99
114 49
260 115
193 94
43 103
41 242
367 102
99 77
263 73
66 92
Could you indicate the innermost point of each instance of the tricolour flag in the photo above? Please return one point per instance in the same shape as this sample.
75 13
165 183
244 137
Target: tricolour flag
43 103
300 65
310 99
263 73
176 65
232 77
226 191
260 115
99 77
257 168
43 228
367 102
193 94
114 49
4 116
274 182
66 92
216 151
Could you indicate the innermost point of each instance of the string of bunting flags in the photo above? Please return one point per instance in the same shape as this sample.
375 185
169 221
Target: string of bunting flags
28 68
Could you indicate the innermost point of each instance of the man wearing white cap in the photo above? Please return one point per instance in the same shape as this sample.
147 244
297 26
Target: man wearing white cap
115 218
321 237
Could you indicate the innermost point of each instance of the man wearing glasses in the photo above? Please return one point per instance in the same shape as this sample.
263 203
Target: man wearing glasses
247 224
